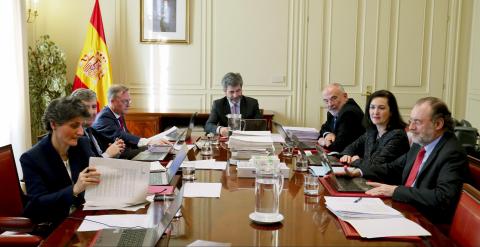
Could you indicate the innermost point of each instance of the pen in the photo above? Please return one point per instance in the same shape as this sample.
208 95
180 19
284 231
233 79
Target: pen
357 200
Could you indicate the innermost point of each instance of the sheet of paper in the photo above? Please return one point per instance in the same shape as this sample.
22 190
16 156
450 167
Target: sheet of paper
122 183
98 222
131 208
204 243
202 190
278 138
156 166
251 133
160 189
390 227
163 134
206 164
297 128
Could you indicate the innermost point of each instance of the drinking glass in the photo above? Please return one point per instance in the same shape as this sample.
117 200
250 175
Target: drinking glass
311 185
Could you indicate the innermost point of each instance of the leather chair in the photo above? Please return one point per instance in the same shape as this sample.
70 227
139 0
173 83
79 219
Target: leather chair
11 206
466 220
474 171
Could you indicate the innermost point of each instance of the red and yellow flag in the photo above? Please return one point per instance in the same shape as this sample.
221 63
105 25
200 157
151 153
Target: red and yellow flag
94 70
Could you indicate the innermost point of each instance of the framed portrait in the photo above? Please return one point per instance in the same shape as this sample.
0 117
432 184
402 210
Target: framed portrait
164 21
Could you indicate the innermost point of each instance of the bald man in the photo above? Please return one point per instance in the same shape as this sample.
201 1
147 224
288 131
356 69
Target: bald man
344 119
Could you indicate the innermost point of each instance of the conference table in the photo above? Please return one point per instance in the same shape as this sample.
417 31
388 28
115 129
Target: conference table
307 221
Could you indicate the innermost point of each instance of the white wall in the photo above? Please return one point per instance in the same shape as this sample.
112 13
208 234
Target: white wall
473 92
286 51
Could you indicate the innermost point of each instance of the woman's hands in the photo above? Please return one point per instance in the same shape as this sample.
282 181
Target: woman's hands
89 176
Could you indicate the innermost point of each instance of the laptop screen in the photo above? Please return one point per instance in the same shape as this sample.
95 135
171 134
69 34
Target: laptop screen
176 163
191 124
282 132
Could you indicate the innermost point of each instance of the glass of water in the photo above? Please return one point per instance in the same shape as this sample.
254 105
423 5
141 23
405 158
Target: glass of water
311 185
188 172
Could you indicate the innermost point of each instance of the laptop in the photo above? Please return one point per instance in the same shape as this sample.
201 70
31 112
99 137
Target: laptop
289 141
174 136
147 155
314 159
165 177
333 160
140 236
345 183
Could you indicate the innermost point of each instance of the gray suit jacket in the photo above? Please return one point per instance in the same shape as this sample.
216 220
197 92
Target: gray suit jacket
220 108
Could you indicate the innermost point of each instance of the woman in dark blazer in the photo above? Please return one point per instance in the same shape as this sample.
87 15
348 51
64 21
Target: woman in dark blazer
385 138
56 170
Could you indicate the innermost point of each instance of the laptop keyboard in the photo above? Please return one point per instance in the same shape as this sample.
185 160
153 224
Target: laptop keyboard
352 184
314 160
158 178
132 237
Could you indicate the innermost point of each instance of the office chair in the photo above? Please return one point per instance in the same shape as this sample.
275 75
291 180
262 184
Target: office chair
11 206
466 220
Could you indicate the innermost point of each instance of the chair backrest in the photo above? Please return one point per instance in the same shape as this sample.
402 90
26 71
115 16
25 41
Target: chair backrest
466 221
474 171
10 191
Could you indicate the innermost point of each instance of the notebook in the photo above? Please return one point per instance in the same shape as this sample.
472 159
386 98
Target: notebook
140 236
175 135
314 159
165 177
147 155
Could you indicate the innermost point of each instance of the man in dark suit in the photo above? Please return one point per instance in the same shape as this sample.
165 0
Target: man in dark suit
344 119
233 102
431 174
110 123
99 145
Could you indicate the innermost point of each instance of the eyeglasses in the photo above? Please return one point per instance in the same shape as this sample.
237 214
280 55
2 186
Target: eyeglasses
126 101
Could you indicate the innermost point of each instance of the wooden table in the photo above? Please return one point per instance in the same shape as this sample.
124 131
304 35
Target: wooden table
307 222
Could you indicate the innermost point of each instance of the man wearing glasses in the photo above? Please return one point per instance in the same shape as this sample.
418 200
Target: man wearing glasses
233 103
110 122
344 119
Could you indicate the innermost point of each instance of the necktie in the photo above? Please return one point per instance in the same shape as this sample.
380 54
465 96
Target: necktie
235 108
334 122
94 141
120 119
416 166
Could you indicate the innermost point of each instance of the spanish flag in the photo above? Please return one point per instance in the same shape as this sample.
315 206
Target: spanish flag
94 70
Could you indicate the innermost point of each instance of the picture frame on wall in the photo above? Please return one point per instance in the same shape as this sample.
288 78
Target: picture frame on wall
164 21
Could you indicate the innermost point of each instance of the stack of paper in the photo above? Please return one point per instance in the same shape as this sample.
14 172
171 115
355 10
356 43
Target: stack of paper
242 142
206 164
304 134
371 218
123 183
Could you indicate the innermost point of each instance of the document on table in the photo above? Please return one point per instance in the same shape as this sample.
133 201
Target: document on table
352 207
122 183
206 164
277 138
390 227
163 134
204 243
98 222
202 190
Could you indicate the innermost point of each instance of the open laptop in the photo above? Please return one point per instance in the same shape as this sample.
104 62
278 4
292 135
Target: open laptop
288 140
345 183
314 159
165 177
174 136
140 236
156 156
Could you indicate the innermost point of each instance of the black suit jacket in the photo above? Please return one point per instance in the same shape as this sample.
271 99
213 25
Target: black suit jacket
102 141
107 125
220 108
49 187
438 184
348 126
375 152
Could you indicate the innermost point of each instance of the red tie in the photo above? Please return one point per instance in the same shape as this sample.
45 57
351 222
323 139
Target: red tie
416 166
120 119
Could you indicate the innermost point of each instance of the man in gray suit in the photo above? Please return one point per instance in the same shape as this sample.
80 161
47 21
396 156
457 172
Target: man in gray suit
233 102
